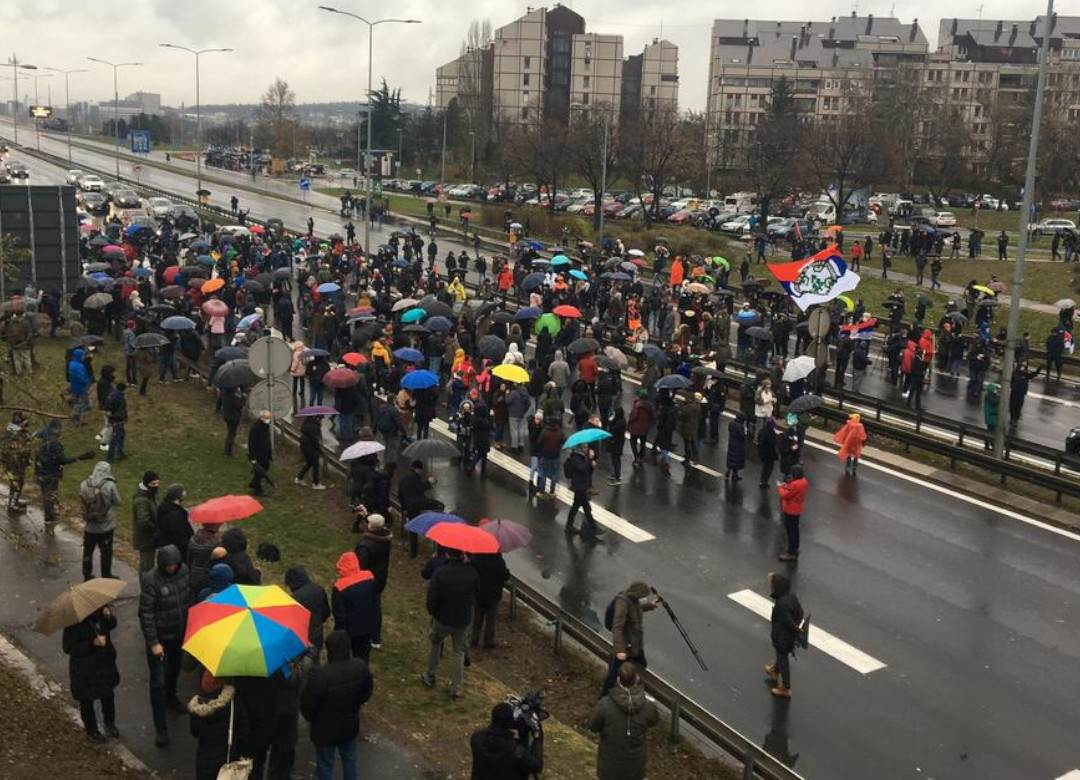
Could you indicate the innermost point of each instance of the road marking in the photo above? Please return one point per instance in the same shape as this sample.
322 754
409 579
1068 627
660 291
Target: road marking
819 637
1073 775
603 517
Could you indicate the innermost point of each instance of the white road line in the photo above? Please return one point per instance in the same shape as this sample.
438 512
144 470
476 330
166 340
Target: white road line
603 517
819 637
1073 775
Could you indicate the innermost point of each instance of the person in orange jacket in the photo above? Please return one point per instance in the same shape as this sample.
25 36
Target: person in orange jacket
792 495
851 438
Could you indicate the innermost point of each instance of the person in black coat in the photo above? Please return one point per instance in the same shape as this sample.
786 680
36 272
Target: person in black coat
209 713
736 447
237 558
172 520
451 594
790 449
310 437
260 452
498 753
92 669
353 602
767 452
232 412
578 469
412 493
373 552
312 597
493 577
786 632
331 703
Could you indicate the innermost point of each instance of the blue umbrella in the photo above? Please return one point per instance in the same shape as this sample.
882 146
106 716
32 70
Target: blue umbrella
143 273
747 315
532 281
527 313
177 323
655 354
536 245
204 260
420 380
313 352
199 245
329 288
673 382
619 276
587 436
413 315
409 355
425 521
100 276
248 321
439 324
577 274
401 262
560 260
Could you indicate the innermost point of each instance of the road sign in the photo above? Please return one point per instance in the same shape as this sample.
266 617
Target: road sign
305 183
276 397
140 141
41 112
818 325
376 187
270 356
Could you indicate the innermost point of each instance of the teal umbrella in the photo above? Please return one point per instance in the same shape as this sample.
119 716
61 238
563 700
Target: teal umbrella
560 260
413 315
587 436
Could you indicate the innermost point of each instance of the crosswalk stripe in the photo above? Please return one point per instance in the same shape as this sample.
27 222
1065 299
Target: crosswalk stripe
602 516
819 637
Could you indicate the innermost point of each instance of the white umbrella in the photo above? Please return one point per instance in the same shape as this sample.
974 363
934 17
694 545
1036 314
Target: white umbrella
1064 303
515 226
361 449
636 253
799 368
404 303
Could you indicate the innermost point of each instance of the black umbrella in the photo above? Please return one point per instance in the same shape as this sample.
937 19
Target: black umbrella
86 341
504 317
706 371
99 241
150 341
235 373
254 287
761 334
94 267
804 403
492 347
531 282
225 354
162 309
583 345
655 354
416 327
283 273
486 308
438 309
426 449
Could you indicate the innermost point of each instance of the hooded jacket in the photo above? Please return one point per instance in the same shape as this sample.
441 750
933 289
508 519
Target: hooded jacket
373 552
493 574
497 754
143 520
200 549
102 481
209 724
353 601
787 615
244 571
451 592
77 375
334 693
312 597
172 521
163 600
221 577
627 621
621 719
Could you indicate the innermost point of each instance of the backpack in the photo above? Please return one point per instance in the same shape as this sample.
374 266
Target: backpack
609 613
95 504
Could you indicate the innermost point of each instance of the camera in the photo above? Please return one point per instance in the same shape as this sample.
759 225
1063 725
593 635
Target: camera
529 713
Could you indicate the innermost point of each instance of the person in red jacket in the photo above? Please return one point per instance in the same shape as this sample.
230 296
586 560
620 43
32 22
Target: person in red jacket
792 495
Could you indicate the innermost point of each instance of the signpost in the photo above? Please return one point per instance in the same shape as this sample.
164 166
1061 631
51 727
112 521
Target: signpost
818 329
270 358
140 141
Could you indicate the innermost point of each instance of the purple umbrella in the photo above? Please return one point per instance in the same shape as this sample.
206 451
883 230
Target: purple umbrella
511 535
315 411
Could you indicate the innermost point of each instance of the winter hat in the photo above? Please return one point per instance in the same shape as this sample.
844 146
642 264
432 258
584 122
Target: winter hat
502 716
376 522
150 476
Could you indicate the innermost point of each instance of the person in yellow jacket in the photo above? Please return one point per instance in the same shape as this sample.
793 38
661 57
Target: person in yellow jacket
457 289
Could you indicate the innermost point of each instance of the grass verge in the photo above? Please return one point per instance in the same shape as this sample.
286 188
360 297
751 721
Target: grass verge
174 432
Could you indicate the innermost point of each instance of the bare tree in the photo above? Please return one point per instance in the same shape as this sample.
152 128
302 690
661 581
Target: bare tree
774 149
591 144
474 91
655 150
539 150
278 126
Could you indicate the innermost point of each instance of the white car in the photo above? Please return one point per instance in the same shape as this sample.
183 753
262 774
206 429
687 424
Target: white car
1052 225
91 183
158 207
943 219
736 225
581 193
73 176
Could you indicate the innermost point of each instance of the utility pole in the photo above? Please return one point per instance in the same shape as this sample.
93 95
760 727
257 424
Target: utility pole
15 65
116 104
603 181
67 100
442 171
1009 360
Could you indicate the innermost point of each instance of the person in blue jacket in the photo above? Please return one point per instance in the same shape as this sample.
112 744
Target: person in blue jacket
78 384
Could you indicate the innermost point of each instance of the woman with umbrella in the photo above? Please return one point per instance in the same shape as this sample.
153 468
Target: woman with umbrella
92 670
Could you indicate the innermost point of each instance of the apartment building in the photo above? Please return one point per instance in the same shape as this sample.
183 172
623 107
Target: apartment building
545 63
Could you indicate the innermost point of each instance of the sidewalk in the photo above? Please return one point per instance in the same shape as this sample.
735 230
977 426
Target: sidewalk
34 568
957 291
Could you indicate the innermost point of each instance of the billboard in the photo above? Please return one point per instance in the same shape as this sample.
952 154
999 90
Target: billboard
42 219
140 141
41 112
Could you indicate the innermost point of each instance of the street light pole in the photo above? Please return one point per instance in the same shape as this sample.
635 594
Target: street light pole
15 65
603 181
442 157
116 104
198 111
399 152
1018 267
368 165
472 156
37 102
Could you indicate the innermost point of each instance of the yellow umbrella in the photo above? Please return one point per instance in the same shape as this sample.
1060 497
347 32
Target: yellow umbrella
848 303
984 289
511 373
77 603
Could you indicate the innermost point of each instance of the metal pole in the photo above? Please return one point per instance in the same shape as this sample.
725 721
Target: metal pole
67 99
603 182
399 152
198 132
63 248
116 119
368 161
15 115
359 127
33 242
1021 249
472 156
442 172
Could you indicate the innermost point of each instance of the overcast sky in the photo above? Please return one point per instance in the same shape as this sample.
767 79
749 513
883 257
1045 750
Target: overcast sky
324 56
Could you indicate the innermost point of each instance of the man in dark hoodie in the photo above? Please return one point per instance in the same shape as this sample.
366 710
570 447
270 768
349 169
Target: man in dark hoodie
787 618
499 754
493 576
232 412
244 571
116 409
622 718
451 594
331 703
373 552
353 604
163 604
628 628
312 597
260 452
578 469
172 520
49 462
144 520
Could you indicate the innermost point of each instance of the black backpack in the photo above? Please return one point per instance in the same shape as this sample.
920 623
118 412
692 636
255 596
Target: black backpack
609 613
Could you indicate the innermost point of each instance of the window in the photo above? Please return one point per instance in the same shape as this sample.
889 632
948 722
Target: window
585 80
652 91
524 112
525 80
585 98
527 62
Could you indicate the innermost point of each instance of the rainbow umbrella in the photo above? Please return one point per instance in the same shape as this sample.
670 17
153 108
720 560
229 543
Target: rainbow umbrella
246 631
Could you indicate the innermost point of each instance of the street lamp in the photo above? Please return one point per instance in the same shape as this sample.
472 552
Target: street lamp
37 102
67 99
13 61
198 117
116 103
472 157
368 166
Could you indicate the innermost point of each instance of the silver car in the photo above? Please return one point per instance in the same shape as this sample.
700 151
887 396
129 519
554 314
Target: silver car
158 207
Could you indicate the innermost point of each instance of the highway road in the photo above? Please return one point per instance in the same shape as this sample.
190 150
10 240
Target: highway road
954 624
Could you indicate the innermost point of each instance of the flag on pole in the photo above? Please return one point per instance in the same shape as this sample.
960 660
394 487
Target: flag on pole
817 279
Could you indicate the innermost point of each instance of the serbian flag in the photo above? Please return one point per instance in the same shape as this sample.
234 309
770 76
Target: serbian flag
863 329
817 279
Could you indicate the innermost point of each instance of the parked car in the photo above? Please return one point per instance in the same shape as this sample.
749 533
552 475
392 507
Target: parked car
943 219
736 225
91 183
158 207
5 177
73 176
786 227
1052 225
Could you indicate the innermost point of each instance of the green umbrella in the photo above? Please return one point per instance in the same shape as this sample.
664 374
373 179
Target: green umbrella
549 322
722 261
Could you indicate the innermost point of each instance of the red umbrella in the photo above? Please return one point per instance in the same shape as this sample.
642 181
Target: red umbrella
567 311
340 377
216 308
467 538
225 509
257 229
353 359
511 535
171 273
